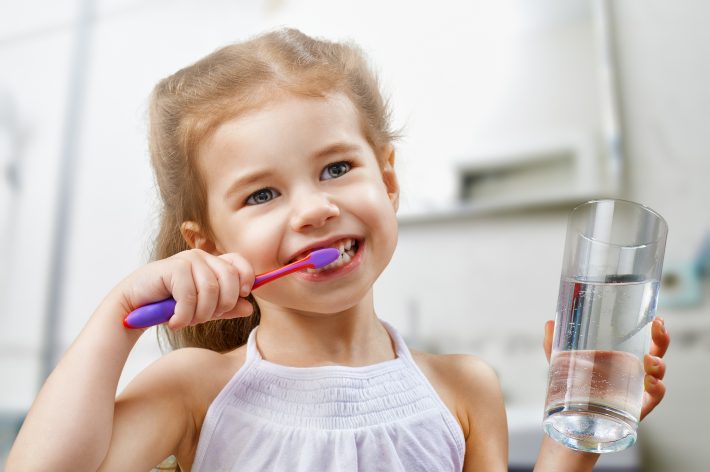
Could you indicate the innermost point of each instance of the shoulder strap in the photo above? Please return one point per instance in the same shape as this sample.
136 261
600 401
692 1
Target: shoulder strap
252 351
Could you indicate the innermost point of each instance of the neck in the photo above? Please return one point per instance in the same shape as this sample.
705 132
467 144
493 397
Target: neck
354 337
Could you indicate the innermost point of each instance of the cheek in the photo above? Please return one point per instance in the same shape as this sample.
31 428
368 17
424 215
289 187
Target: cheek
380 214
256 238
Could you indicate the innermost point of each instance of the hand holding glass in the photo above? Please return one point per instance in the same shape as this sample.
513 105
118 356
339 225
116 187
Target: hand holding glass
608 292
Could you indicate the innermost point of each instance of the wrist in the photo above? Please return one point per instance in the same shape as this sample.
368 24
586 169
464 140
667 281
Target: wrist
556 457
111 312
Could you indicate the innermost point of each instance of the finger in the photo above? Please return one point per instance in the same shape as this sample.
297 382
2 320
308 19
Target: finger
208 290
547 342
182 287
242 309
659 337
246 272
654 366
655 391
228 278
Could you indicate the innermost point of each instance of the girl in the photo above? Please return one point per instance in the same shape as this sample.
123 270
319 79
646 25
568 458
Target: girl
265 151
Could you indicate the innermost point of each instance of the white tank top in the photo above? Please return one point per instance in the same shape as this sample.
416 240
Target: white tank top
381 417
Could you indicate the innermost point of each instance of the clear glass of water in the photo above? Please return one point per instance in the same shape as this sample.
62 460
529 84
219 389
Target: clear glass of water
608 291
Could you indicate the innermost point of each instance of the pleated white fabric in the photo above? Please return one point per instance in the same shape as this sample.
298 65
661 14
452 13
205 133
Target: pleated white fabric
381 417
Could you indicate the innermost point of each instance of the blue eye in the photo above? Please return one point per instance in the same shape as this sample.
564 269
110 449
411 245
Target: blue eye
335 170
263 195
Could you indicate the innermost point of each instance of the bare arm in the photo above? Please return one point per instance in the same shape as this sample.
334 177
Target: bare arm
154 416
471 390
75 420
484 421
69 424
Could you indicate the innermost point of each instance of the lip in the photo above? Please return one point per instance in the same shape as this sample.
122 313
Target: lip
322 245
336 273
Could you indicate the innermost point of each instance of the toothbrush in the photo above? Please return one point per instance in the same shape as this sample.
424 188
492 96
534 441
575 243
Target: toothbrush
161 311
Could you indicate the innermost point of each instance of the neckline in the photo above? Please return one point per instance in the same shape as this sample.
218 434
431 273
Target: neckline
390 364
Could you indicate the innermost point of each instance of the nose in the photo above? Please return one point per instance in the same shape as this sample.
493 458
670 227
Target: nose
312 210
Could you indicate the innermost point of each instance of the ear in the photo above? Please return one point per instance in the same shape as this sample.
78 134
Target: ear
196 238
389 176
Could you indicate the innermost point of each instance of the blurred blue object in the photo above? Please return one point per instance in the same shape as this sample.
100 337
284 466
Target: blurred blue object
702 262
680 286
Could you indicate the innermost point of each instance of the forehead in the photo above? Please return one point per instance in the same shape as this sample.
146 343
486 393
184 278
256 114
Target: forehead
289 127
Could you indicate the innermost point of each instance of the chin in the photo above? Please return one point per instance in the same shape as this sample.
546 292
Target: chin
336 301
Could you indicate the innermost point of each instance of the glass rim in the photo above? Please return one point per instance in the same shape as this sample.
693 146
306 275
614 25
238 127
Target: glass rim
663 227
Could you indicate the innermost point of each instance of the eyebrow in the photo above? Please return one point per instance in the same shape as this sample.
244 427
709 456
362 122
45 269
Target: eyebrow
336 148
245 180
251 177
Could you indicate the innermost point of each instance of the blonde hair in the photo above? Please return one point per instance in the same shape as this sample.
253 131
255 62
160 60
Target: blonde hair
190 104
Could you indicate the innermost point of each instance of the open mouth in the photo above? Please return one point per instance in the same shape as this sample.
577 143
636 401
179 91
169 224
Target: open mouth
348 248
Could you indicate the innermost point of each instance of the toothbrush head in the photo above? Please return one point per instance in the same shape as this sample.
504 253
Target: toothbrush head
323 257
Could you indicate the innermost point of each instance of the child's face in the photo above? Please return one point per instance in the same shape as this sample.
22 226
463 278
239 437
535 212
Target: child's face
297 175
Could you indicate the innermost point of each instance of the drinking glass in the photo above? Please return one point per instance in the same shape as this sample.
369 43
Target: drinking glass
607 300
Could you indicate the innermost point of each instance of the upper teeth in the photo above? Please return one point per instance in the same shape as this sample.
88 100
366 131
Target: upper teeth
345 244
347 251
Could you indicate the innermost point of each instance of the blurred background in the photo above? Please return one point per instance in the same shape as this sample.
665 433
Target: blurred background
513 112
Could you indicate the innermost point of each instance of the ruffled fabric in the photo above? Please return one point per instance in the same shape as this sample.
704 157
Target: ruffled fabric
384 417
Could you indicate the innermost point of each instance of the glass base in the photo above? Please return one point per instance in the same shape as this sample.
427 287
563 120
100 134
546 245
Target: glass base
590 428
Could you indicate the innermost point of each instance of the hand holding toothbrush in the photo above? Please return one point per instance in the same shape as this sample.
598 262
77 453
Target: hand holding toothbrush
228 276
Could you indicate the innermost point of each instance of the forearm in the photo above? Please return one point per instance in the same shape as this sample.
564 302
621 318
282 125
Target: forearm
555 457
69 425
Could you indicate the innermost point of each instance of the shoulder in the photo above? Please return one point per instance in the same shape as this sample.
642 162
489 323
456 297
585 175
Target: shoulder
179 387
160 412
200 374
465 382
457 368
470 389
189 365
183 368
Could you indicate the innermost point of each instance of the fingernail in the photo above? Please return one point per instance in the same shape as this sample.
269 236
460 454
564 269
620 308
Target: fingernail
245 289
655 361
652 380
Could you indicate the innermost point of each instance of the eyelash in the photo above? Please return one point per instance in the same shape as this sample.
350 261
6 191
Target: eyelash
251 199
348 164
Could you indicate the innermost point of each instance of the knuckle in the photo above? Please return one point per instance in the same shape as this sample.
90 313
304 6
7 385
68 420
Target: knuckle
189 298
197 252
183 264
232 271
209 287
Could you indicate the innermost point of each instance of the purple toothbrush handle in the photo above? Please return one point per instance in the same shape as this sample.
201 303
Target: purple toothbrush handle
151 314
